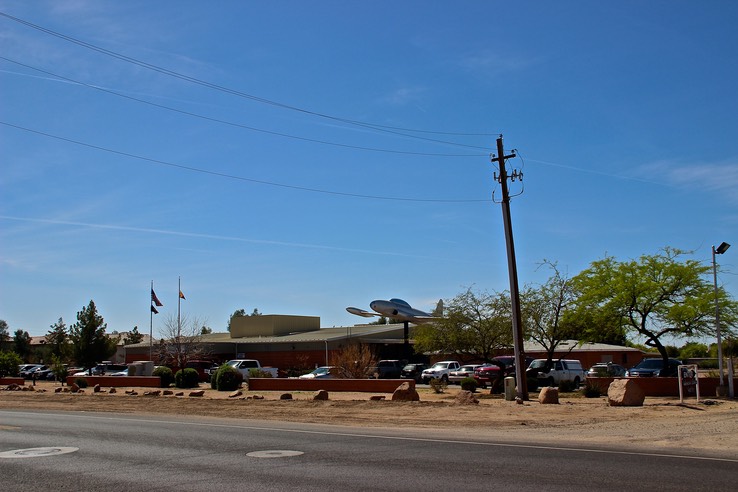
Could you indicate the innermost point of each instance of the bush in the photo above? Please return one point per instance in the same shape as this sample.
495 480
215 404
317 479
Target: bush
258 373
9 362
591 390
81 382
166 375
469 384
187 378
567 386
227 378
438 385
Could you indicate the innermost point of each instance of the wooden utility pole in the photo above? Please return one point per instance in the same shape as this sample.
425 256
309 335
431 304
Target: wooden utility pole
520 377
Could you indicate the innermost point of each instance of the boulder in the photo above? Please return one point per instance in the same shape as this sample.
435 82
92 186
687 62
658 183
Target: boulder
377 398
112 391
96 388
285 396
167 392
320 395
548 396
152 393
405 393
197 393
625 393
74 387
466 398
235 394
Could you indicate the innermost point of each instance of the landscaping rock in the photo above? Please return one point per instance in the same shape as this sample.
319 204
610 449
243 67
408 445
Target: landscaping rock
377 397
405 393
285 396
466 398
112 391
152 393
167 392
197 393
96 388
548 396
625 393
320 395
235 394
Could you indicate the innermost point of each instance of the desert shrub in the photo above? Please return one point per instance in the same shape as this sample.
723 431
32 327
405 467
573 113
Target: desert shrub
567 386
258 373
469 384
166 375
186 378
9 362
81 382
227 378
438 385
591 390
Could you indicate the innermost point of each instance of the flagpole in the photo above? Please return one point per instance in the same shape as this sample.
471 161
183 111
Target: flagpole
179 301
151 323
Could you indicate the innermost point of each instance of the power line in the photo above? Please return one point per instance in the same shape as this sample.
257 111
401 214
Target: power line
240 178
230 123
227 90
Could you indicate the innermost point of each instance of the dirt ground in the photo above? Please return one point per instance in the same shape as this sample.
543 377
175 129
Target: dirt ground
710 426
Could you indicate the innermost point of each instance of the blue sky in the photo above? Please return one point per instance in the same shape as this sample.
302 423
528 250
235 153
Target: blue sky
302 157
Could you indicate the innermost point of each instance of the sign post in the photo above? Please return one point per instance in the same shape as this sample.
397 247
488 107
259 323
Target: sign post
688 382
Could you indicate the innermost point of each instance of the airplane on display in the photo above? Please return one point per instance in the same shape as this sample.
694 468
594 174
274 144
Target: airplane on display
398 309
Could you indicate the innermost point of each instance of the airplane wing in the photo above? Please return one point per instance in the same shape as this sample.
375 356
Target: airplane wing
361 312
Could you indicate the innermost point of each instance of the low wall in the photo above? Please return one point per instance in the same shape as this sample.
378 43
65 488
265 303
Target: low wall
18 381
296 384
119 381
666 386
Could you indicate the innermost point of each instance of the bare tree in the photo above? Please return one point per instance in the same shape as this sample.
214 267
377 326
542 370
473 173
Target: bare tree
354 361
181 342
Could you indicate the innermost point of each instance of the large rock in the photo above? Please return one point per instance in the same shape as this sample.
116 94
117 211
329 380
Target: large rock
320 395
548 396
405 393
625 393
466 398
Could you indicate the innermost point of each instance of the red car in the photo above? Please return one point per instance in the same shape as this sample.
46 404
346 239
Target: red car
494 372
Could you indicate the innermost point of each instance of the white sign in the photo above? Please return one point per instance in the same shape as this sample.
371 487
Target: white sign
689 382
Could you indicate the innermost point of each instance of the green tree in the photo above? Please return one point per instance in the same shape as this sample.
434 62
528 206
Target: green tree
4 331
9 362
57 338
22 344
693 350
476 324
133 337
544 308
90 343
655 296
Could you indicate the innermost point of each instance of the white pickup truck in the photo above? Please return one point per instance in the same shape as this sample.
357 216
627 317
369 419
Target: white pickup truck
562 370
244 366
440 370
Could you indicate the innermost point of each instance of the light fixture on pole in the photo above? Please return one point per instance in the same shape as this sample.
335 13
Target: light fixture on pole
718 251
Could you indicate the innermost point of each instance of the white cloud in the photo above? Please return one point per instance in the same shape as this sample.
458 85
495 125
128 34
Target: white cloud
719 177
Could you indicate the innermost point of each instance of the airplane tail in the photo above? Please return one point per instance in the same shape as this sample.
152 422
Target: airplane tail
438 312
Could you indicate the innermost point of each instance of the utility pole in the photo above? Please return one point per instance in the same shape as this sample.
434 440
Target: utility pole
522 383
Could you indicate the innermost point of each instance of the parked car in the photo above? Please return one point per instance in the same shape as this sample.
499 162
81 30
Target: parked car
413 371
323 372
559 371
440 370
386 369
494 372
606 370
27 373
654 367
463 372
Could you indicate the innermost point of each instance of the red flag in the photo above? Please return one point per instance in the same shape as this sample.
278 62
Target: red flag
181 296
155 299
153 310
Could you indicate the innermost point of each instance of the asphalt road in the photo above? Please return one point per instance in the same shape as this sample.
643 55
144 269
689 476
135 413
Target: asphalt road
41 451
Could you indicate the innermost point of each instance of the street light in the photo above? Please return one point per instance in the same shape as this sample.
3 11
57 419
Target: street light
720 250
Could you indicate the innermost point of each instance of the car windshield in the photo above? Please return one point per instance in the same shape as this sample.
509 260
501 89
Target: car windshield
409 367
650 364
321 370
466 368
440 365
537 364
